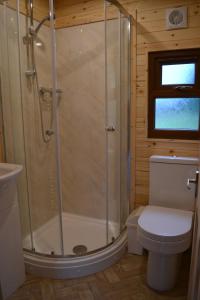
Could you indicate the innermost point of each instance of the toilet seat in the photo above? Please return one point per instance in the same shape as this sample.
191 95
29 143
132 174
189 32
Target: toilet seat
165 230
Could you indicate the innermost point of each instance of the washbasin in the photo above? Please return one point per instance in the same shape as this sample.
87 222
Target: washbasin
8 186
9 171
12 272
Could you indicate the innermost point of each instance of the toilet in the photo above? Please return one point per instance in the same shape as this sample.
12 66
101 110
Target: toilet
165 225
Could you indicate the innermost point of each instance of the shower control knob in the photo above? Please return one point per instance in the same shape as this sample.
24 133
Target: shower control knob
110 128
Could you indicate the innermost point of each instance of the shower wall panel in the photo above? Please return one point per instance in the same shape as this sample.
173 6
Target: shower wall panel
81 76
82 117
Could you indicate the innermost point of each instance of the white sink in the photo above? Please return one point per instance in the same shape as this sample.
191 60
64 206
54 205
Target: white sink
9 171
12 272
8 187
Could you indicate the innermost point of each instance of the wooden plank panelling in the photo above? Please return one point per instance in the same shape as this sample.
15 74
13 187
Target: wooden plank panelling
40 7
152 36
70 13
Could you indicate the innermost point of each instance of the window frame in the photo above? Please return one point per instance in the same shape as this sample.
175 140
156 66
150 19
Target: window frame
157 90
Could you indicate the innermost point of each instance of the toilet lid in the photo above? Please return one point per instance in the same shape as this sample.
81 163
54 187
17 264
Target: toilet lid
167 224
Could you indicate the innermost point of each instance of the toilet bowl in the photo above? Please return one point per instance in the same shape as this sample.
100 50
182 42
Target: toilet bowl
165 225
165 233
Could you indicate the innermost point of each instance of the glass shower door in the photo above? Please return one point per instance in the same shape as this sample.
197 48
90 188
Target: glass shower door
81 77
112 48
40 132
117 42
125 98
29 115
12 115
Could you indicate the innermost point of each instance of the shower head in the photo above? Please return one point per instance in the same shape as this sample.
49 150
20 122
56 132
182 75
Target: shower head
34 31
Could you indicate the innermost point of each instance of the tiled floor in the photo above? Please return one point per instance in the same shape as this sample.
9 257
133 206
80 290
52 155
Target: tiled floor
123 281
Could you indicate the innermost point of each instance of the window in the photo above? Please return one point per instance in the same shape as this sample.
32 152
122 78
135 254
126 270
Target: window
174 94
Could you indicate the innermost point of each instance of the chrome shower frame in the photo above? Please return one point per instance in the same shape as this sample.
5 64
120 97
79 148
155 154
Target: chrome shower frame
32 255
55 92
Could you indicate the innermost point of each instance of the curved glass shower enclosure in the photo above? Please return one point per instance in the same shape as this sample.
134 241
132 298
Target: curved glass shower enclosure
65 100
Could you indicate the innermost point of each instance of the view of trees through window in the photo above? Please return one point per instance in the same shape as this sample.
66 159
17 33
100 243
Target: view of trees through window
177 113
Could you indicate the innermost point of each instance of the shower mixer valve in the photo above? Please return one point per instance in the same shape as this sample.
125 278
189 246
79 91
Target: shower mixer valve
49 132
44 90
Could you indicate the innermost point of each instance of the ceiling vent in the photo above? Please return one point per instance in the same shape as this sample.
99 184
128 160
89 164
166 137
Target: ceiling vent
176 18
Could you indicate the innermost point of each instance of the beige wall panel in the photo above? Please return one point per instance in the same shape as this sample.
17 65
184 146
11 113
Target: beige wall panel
81 71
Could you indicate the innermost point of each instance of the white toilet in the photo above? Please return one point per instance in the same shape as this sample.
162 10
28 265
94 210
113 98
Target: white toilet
165 225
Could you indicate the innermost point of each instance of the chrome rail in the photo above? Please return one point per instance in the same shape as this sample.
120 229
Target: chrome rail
120 7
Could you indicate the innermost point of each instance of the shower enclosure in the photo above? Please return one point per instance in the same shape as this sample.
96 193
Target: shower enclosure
65 102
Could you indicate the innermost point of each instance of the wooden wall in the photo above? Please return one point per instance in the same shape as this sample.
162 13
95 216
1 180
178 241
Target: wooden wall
149 34
41 7
76 12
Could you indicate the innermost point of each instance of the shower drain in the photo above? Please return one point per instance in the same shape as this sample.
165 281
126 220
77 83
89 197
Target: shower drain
80 249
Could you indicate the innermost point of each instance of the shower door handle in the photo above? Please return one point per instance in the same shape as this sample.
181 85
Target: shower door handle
194 181
110 128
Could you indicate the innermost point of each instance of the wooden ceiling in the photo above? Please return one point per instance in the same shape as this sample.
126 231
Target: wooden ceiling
76 12
41 7
71 12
